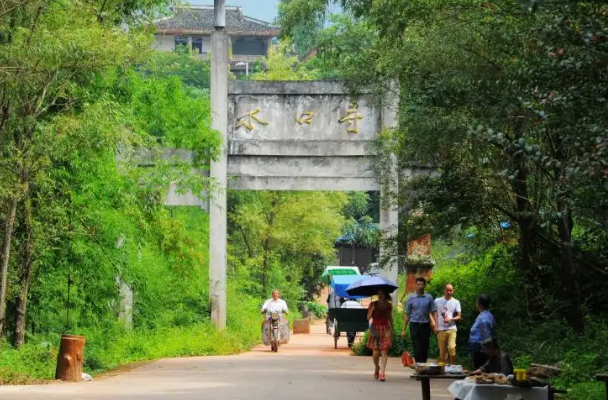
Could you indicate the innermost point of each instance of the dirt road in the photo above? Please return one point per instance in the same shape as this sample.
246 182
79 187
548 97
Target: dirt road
308 368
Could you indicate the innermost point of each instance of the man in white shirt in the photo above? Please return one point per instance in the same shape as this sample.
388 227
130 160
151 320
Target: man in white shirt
275 305
448 313
349 303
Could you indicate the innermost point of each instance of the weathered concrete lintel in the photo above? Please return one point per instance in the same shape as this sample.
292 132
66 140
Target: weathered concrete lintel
324 148
315 167
389 211
320 148
303 183
289 88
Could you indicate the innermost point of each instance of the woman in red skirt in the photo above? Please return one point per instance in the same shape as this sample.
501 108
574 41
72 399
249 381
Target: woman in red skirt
380 338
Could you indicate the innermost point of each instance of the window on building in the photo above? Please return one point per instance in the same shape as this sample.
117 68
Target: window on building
249 46
197 45
197 42
181 41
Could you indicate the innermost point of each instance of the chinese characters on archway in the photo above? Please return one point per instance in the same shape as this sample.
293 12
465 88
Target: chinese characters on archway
350 119
248 119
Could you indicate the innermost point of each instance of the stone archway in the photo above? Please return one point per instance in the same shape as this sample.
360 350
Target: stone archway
297 136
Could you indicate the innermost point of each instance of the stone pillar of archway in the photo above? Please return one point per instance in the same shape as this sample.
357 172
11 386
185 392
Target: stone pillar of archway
218 224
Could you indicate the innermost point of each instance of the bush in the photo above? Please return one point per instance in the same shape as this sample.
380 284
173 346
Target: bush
318 310
550 341
491 273
110 348
542 339
127 347
580 357
31 363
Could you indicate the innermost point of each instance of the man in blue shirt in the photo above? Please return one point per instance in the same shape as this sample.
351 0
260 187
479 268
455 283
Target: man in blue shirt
421 314
482 329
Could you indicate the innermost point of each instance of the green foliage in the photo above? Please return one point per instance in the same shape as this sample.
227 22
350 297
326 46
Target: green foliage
77 90
318 310
33 362
172 113
491 272
473 270
193 72
282 65
304 30
283 240
113 346
360 228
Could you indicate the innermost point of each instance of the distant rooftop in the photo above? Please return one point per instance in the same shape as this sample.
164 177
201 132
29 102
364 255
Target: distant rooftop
199 19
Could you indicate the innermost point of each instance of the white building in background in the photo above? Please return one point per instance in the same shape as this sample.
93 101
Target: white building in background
192 26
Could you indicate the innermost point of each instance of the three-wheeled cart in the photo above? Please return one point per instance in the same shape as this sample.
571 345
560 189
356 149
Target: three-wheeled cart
334 300
345 319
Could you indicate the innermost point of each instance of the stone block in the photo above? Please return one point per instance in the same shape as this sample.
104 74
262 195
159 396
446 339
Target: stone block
301 326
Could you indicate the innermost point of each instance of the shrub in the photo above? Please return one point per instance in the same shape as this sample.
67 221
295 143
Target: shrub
31 363
318 310
542 339
111 347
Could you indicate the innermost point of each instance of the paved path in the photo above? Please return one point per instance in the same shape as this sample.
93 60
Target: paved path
308 368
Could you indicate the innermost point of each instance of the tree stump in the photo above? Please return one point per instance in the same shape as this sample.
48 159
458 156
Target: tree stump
70 358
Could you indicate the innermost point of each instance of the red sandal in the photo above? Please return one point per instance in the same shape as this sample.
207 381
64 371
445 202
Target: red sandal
377 374
382 378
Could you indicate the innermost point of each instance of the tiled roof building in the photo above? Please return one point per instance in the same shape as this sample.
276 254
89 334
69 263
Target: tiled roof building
199 19
192 26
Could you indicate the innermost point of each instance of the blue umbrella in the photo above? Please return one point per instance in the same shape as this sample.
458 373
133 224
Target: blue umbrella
370 285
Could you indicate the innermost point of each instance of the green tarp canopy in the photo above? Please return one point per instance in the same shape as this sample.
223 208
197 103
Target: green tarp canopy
331 271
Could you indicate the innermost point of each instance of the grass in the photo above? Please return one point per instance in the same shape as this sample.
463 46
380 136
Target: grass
108 350
30 364
114 347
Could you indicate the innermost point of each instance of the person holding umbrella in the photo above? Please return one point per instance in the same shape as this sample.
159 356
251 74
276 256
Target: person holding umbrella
380 314
380 338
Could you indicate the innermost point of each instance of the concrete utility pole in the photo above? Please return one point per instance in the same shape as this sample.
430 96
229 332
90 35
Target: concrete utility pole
219 169
389 212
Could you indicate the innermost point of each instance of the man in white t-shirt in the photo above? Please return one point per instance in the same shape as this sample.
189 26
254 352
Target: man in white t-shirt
275 305
448 313
349 303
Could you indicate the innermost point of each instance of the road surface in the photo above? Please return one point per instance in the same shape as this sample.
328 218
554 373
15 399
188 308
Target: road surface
308 368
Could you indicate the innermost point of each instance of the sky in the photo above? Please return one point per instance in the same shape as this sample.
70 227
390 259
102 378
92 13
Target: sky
265 10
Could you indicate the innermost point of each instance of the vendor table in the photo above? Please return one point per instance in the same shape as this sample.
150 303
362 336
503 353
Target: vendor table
425 382
469 390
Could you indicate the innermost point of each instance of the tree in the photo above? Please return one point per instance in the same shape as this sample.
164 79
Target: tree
286 230
47 47
282 65
360 229
70 99
192 71
305 34
505 100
